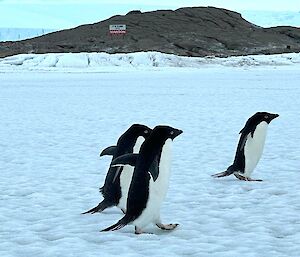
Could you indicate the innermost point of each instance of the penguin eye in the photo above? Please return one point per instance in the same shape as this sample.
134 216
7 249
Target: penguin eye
146 131
172 132
266 116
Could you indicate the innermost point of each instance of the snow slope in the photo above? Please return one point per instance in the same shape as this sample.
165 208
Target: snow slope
54 124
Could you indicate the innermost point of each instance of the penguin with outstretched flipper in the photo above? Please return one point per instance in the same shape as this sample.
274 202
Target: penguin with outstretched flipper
117 181
150 180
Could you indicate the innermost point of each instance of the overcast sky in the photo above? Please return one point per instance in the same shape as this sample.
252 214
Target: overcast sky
61 14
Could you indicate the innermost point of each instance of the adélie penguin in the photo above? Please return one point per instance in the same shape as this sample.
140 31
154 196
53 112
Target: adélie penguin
116 185
150 180
250 147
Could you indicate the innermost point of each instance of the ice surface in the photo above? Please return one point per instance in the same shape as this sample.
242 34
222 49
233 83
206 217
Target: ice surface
142 60
54 124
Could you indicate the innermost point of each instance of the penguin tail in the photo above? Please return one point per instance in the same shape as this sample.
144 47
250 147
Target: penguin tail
120 224
100 207
225 173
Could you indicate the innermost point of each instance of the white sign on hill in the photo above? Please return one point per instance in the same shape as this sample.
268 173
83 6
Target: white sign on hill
117 29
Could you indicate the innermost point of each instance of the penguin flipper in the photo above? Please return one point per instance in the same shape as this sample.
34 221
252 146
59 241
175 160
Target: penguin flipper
109 150
100 207
120 224
126 159
154 169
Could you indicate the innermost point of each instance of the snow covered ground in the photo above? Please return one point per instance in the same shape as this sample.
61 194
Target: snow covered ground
56 119
75 62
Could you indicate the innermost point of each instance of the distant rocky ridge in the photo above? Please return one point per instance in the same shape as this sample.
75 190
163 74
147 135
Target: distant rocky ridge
191 31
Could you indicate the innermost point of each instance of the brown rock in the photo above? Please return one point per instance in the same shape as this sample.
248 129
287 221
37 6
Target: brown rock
193 31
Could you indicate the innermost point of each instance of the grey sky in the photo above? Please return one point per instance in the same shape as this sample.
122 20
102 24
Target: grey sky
60 14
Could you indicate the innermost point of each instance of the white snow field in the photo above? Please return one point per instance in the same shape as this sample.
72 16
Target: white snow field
104 62
55 121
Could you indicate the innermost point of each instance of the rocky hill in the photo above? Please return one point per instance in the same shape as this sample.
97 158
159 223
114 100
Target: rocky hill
193 31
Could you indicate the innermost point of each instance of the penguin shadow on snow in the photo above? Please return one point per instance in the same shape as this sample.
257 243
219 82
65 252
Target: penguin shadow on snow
138 176
250 147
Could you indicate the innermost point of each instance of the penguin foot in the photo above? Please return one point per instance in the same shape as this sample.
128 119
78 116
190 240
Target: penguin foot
240 177
251 179
167 226
138 231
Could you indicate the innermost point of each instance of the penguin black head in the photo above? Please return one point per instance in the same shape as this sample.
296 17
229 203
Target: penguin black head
127 140
132 133
263 116
140 130
166 132
256 119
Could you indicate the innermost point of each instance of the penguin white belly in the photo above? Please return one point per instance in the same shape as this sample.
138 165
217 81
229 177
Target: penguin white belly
254 147
157 189
126 176
125 180
140 140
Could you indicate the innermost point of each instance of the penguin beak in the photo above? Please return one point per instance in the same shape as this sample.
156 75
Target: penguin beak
177 132
274 116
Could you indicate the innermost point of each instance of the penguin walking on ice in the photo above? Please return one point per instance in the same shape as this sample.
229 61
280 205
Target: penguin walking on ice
150 180
250 147
116 185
